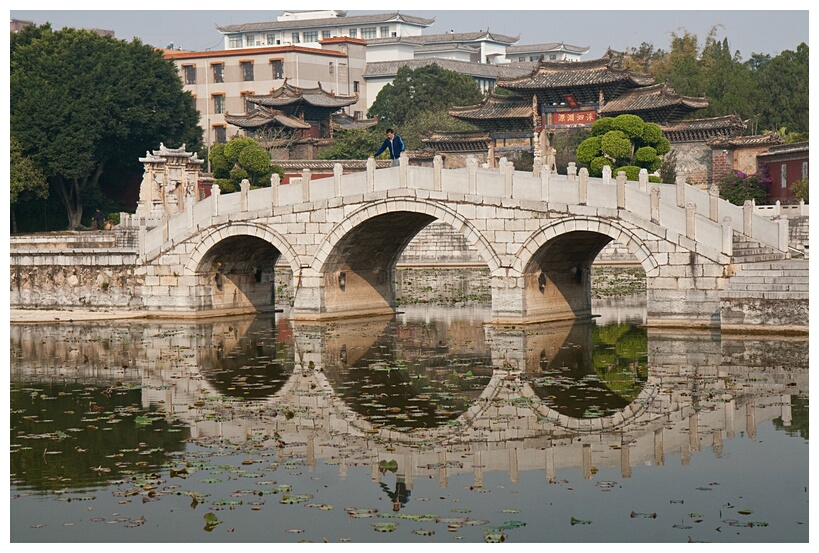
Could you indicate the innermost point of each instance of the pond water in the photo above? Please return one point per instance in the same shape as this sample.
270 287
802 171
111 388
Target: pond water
430 426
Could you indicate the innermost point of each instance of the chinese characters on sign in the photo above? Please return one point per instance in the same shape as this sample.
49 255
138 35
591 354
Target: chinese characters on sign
571 118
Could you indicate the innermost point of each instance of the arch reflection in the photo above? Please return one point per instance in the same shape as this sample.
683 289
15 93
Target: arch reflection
407 374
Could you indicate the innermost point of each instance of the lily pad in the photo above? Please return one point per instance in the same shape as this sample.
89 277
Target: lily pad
384 526
579 521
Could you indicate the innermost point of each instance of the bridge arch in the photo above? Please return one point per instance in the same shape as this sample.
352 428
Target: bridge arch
354 265
555 264
233 265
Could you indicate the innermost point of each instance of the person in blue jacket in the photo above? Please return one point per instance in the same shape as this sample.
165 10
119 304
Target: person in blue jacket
394 144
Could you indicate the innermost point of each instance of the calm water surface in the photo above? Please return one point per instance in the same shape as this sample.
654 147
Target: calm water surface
427 427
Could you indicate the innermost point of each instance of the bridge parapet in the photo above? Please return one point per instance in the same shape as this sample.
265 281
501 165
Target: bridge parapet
667 205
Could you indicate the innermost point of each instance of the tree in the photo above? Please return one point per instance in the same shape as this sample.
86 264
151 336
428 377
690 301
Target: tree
81 103
624 143
27 181
241 158
782 98
352 144
428 88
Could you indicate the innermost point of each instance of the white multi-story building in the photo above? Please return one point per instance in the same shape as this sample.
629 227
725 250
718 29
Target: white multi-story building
341 54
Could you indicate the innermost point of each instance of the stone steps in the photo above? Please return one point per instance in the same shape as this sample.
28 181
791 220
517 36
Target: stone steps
782 279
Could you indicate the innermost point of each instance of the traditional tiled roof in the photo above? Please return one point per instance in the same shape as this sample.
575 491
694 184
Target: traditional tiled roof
476 141
657 103
552 80
496 106
324 22
769 139
433 48
787 149
288 95
343 121
263 117
497 111
700 130
474 69
545 47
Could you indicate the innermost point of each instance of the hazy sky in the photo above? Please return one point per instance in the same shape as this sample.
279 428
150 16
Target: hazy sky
749 31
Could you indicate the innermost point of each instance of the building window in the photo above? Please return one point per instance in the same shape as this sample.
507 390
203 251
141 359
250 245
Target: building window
534 58
804 169
385 32
278 69
296 38
332 68
235 41
369 32
220 134
252 40
783 175
271 39
190 74
357 115
353 33
552 57
218 72
355 86
249 106
326 34
247 70
521 58
310 36
219 103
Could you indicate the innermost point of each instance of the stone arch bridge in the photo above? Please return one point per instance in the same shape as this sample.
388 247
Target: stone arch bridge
538 233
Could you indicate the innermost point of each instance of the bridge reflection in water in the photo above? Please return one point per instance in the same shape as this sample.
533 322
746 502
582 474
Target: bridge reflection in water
442 396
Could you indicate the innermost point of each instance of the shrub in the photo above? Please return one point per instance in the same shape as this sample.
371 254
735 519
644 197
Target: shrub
631 125
589 149
602 126
597 164
616 145
738 187
799 189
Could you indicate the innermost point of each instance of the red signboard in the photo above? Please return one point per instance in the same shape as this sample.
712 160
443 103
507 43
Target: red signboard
584 118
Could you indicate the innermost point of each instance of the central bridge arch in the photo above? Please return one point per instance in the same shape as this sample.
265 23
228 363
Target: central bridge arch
354 267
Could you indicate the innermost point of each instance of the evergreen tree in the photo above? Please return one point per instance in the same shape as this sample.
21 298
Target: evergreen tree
81 103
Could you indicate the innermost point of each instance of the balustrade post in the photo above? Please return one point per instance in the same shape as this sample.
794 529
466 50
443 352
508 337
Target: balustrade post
472 173
681 191
777 209
537 166
783 234
713 202
571 171
403 163
621 189
748 218
244 189
643 178
214 200
727 237
437 167
508 170
370 174
275 181
305 185
690 221
545 177
583 187
338 170
190 204
607 174
655 204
